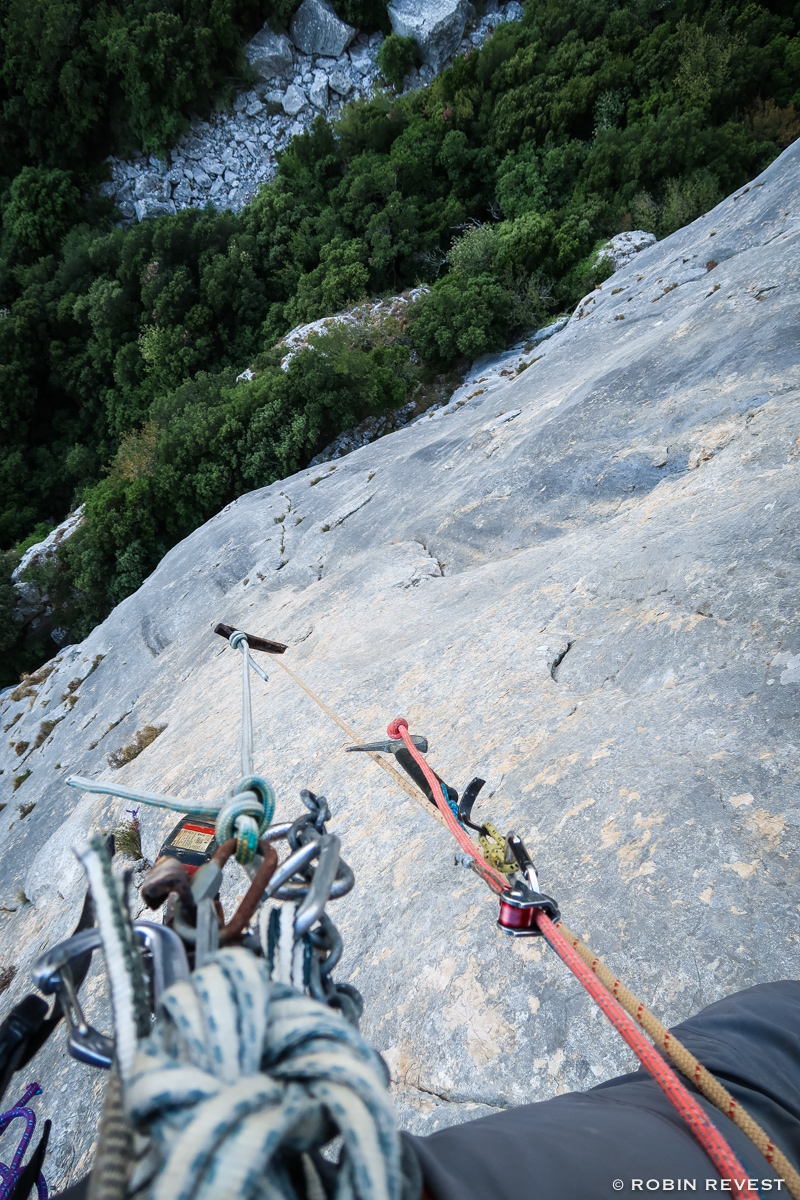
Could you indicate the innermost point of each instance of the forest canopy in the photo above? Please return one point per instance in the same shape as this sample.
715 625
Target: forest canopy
119 348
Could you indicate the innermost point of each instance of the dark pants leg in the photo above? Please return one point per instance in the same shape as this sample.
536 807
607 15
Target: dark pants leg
575 1146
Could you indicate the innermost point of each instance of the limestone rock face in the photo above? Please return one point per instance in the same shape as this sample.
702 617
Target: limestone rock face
270 53
581 586
438 26
316 29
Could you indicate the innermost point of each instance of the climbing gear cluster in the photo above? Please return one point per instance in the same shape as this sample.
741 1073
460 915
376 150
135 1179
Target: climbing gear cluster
236 1057
235 1054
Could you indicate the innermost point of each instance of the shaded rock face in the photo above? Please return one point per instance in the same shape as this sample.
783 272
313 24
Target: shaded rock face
270 53
582 587
34 606
437 25
316 29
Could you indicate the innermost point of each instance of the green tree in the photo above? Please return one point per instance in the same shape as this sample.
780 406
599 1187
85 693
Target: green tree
396 57
42 206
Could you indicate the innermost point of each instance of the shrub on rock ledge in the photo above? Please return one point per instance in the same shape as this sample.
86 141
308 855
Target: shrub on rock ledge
396 57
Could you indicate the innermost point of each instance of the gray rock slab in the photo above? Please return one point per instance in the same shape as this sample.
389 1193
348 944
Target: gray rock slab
270 53
438 26
316 29
591 605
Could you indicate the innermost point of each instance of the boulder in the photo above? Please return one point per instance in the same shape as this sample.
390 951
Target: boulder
270 54
340 82
318 91
438 27
150 186
294 100
361 59
151 207
625 246
316 29
182 194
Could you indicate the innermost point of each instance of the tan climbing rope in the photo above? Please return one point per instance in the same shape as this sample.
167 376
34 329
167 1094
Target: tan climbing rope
687 1064
387 767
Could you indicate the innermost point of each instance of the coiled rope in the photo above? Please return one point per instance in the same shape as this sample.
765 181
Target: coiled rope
241 1081
706 1133
12 1173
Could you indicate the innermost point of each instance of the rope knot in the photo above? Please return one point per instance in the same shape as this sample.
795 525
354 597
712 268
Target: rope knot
236 639
246 816
394 727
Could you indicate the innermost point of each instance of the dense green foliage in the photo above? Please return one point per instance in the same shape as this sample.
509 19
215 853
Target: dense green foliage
119 349
81 77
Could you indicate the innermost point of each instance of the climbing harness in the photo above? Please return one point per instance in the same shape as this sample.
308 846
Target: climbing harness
235 1055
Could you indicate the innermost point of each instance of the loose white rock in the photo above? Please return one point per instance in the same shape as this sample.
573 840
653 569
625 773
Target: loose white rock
318 92
294 100
625 246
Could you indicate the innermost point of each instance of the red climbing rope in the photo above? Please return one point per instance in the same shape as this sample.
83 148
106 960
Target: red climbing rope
712 1141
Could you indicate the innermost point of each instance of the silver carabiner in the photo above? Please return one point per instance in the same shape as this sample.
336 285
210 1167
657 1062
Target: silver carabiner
319 890
52 974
